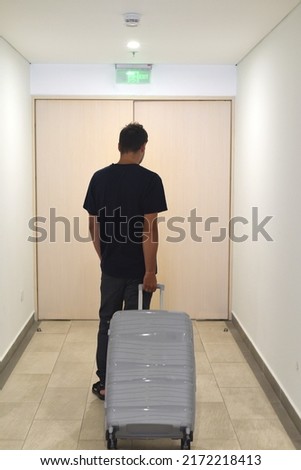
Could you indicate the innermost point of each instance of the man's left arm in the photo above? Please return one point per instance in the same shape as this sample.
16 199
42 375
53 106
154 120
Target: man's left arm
150 248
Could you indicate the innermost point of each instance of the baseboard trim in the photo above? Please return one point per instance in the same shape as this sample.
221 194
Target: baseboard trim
296 419
11 358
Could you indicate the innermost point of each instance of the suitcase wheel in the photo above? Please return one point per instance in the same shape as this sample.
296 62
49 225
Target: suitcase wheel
112 444
186 440
185 444
111 440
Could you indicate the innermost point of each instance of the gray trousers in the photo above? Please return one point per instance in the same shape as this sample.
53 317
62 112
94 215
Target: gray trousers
116 294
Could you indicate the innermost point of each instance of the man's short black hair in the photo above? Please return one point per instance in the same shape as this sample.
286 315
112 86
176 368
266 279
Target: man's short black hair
132 137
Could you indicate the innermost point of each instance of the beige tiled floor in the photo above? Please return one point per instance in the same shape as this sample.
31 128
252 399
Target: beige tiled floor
47 404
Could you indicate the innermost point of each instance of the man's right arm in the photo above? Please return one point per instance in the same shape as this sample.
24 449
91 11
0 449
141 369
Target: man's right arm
94 230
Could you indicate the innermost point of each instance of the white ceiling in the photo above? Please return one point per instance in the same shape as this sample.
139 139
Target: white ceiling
170 31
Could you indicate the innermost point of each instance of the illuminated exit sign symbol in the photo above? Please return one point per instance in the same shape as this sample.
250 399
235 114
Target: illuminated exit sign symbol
133 75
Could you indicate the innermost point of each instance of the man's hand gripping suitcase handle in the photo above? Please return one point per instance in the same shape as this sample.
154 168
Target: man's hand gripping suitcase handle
161 287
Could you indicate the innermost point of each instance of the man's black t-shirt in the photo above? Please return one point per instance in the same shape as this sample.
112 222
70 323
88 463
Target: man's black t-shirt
120 195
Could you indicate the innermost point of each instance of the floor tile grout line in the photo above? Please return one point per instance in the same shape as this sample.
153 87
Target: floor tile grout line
225 405
216 385
42 396
87 398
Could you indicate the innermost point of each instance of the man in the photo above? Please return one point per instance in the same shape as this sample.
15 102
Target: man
123 201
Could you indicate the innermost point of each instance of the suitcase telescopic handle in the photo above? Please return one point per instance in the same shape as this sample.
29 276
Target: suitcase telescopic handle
161 287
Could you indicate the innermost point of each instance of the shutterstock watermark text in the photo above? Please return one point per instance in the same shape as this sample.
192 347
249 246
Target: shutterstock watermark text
122 229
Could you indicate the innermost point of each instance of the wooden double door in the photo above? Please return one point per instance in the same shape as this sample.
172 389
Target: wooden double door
189 146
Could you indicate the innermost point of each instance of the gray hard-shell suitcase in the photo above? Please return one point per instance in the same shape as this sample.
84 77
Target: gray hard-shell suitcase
150 381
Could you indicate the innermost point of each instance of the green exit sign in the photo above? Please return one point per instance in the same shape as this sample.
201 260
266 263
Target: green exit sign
133 76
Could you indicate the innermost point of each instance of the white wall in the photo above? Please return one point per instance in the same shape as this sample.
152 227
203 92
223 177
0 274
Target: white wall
166 80
267 275
16 207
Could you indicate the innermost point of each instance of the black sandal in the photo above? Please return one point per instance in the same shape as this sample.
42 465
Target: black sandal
97 388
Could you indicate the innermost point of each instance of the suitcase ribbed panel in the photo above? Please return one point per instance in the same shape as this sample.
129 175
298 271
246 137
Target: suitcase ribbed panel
150 383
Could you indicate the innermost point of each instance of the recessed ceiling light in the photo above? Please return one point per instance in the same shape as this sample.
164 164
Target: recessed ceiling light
133 45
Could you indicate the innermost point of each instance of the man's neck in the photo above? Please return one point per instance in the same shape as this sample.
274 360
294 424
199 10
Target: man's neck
130 158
